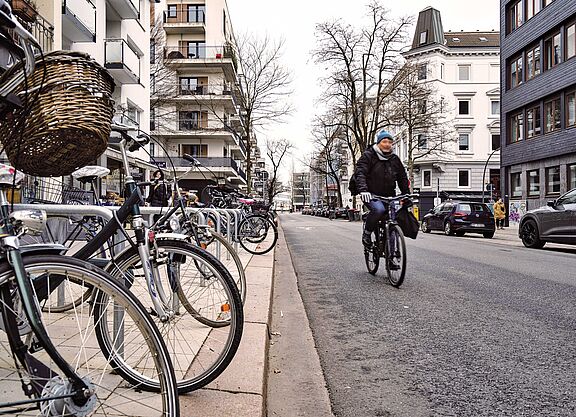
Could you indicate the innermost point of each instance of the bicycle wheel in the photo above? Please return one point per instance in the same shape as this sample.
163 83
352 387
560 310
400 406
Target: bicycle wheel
372 258
72 232
205 330
396 260
257 235
219 247
138 343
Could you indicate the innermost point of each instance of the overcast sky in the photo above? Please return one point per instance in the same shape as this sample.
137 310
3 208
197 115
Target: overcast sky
295 20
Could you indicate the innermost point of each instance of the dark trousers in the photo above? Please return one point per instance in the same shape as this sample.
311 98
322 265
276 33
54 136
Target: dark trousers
377 212
500 223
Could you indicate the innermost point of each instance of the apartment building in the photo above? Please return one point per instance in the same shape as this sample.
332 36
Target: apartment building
464 68
116 34
300 190
538 58
195 93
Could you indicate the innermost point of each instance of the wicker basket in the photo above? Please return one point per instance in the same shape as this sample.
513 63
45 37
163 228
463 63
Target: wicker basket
67 123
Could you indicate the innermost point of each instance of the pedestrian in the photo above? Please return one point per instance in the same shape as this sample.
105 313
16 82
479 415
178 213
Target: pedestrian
159 193
499 214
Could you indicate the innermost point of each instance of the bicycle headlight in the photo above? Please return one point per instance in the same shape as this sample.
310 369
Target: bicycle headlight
174 224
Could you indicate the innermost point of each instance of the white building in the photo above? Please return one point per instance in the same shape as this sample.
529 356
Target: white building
465 69
195 92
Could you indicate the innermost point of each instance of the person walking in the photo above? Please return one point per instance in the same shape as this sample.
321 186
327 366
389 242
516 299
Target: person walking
499 214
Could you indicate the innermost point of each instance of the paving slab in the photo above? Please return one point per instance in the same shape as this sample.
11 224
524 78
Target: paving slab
206 402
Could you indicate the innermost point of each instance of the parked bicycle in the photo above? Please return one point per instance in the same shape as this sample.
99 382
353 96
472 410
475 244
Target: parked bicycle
389 243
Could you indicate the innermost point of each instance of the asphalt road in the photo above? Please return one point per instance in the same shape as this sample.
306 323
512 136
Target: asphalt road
477 329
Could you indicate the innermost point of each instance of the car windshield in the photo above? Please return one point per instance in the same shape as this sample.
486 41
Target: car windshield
568 198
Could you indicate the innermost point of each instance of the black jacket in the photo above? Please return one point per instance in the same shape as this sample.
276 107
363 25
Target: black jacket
380 177
159 195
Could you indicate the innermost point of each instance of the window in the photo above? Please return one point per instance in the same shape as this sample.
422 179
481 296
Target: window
516 72
464 142
571 176
172 10
534 183
464 72
441 71
533 7
515 15
516 128
423 37
495 107
516 184
196 13
152 51
533 122
194 150
188 120
463 107
152 149
152 120
426 178
190 86
533 62
553 180
571 109
224 24
571 41
552 119
422 106
552 51
568 198
495 142
422 72
463 178
153 83
422 141
194 50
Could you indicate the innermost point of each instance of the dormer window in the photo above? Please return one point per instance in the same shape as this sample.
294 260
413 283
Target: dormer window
423 37
483 39
456 40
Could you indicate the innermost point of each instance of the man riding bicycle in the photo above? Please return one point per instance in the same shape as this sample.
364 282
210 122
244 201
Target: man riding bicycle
377 172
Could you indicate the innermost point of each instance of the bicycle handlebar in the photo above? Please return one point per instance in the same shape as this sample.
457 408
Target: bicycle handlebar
396 198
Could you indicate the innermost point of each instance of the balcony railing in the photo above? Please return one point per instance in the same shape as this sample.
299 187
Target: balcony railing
122 62
79 20
210 162
197 51
185 16
42 30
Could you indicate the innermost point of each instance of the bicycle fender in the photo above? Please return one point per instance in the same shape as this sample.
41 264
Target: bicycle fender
174 236
41 249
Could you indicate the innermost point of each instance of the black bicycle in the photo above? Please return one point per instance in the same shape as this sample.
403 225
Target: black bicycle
389 242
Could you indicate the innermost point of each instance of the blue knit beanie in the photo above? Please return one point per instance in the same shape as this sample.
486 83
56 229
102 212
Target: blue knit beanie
380 136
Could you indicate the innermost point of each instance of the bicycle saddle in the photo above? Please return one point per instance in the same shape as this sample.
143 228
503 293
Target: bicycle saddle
90 173
247 201
7 175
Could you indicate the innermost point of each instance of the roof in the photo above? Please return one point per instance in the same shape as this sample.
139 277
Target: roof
472 39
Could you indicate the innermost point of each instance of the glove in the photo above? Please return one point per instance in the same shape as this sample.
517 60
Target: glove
365 197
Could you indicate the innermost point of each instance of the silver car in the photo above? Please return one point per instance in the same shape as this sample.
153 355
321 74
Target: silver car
554 223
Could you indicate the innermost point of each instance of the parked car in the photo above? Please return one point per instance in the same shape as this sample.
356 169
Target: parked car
341 213
554 223
460 217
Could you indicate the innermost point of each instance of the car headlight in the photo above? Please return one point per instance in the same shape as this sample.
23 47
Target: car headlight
174 224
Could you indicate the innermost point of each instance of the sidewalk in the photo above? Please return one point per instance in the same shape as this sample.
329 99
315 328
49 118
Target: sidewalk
240 390
509 237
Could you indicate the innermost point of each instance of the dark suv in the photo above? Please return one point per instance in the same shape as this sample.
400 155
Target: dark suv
460 217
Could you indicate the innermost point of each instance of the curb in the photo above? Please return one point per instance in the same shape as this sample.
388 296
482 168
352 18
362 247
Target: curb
240 391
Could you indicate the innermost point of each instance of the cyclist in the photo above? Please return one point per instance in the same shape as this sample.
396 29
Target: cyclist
377 172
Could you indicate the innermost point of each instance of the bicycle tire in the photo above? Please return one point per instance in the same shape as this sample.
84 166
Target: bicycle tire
246 241
372 259
237 269
396 277
201 343
70 331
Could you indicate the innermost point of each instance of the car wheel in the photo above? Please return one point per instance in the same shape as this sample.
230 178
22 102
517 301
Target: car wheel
448 229
459 234
530 235
425 228
488 235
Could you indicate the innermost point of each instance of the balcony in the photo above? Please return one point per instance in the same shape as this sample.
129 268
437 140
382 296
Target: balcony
42 30
201 94
198 55
218 165
121 61
239 148
79 20
126 9
185 21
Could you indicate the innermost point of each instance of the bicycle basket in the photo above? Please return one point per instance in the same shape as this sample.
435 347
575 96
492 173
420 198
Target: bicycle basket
66 122
53 191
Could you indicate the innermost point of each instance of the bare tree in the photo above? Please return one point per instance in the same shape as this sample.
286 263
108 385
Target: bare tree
265 85
276 150
418 111
329 140
361 62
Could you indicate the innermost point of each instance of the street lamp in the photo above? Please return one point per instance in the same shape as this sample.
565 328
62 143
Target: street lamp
484 173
